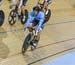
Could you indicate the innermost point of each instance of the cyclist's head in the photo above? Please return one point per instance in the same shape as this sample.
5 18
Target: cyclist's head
36 9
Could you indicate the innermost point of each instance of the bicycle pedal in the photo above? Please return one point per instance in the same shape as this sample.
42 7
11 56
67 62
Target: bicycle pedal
33 47
34 44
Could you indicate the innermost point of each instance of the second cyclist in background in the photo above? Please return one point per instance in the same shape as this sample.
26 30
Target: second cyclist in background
20 4
45 4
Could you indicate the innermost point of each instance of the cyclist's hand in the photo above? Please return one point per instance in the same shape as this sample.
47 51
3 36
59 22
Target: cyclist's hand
36 32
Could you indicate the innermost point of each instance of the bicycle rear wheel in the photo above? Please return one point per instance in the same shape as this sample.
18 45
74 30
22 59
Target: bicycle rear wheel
12 17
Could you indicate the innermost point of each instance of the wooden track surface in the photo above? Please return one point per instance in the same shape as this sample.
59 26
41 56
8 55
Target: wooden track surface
57 38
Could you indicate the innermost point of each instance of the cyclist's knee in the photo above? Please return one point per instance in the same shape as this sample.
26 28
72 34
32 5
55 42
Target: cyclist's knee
22 7
45 5
17 1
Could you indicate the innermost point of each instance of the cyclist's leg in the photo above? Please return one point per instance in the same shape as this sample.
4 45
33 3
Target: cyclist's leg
31 24
36 36
17 4
23 8
0 2
35 22
45 6
46 3
14 3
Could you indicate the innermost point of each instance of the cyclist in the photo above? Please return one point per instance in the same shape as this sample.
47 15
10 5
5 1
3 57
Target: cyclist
20 4
36 17
15 3
45 4
23 8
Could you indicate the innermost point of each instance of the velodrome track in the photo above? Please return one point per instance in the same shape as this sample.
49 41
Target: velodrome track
57 38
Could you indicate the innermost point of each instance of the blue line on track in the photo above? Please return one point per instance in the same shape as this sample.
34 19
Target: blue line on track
51 55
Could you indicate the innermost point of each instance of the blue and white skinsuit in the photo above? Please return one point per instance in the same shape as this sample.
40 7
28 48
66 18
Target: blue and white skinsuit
32 17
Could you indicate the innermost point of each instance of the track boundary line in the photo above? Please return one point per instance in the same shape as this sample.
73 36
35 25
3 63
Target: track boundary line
51 55
18 29
58 42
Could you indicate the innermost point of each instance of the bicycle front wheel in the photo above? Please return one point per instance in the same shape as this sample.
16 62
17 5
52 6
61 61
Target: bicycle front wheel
26 44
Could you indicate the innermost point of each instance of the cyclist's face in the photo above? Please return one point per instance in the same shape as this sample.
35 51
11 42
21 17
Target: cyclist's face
36 12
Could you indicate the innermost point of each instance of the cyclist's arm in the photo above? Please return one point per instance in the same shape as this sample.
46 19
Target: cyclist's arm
29 19
20 3
40 23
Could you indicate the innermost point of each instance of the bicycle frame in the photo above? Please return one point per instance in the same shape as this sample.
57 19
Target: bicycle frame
32 36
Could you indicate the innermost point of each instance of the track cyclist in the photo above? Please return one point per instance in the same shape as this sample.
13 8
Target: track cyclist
20 4
45 4
36 18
